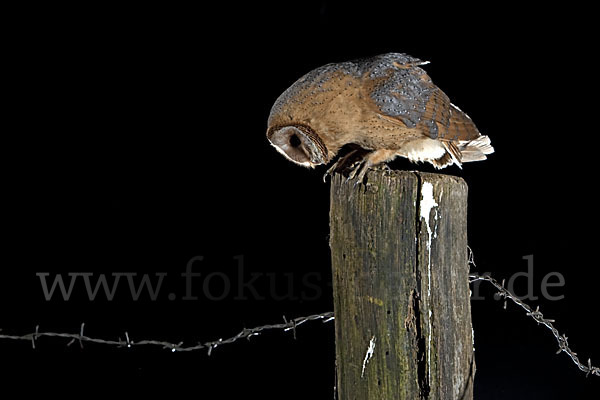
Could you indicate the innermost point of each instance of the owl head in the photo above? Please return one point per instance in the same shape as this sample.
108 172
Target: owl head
299 143
297 126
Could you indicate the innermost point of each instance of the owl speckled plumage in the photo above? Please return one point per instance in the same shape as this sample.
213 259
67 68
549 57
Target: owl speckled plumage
386 105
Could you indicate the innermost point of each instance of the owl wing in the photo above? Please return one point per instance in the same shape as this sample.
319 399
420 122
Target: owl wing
404 94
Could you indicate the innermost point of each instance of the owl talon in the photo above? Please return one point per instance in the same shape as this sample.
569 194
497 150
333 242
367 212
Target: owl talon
361 175
331 170
342 164
385 167
359 172
354 171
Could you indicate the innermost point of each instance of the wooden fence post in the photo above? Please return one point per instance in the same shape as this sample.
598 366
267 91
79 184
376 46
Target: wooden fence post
401 291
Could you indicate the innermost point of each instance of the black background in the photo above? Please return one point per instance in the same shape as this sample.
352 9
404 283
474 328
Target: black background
134 140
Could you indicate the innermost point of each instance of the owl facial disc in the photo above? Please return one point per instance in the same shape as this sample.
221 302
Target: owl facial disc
299 144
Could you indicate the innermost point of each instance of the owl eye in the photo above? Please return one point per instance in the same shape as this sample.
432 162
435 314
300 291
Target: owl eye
301 146
295 141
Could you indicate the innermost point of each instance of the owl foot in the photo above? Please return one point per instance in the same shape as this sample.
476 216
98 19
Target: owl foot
373 159
359 171
346 162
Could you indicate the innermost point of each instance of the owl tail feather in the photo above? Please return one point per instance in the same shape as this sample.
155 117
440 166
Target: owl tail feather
476 150
464 151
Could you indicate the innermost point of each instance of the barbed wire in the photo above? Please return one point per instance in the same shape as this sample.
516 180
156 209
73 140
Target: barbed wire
563 345
245 333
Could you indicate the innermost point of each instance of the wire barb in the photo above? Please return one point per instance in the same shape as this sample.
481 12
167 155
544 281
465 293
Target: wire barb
471 257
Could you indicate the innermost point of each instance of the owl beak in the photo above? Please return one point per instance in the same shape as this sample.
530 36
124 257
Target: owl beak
299 144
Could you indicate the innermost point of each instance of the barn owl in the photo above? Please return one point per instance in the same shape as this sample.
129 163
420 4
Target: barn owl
386 106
